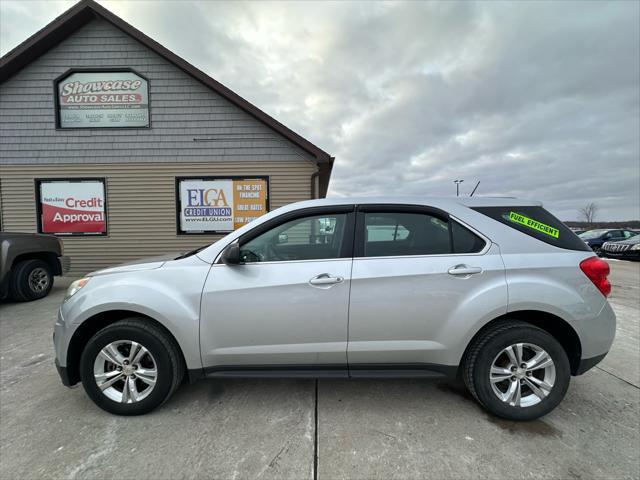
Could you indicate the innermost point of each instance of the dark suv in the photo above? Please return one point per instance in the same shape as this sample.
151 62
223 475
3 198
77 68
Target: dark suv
596 238
28 262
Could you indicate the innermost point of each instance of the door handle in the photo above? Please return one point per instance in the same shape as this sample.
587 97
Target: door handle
325 280
464 270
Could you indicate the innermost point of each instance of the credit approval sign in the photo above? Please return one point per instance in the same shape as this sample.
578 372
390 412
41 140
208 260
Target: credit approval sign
72 207
220 205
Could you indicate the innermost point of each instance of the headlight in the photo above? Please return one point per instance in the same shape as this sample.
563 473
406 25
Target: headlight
75 286
636 247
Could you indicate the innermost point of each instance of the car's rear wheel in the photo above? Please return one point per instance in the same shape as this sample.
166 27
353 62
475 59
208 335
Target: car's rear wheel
517 371
130 367
31 280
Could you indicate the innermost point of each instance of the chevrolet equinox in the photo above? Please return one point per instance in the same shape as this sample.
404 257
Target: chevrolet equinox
497 292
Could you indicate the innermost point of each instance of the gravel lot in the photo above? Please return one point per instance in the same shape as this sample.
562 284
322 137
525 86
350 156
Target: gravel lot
306 429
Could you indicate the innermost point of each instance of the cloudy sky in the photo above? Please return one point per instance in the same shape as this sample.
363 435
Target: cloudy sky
535 99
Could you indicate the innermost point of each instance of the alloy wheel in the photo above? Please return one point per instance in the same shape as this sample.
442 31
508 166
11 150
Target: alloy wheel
125 371
522 375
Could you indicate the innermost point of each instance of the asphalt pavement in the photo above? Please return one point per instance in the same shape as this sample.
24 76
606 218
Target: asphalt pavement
306 429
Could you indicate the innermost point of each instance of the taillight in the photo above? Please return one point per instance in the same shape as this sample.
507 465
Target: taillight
597 271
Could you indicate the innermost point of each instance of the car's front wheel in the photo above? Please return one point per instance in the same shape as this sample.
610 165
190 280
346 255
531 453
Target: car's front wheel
130 367
517 371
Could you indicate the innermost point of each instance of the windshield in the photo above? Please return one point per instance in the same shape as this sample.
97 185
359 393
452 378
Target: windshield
592 234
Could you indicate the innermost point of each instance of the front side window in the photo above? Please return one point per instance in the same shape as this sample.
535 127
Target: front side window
395 233
591 234
308 238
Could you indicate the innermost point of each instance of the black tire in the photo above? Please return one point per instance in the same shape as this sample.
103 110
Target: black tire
486 347
21 289
165 352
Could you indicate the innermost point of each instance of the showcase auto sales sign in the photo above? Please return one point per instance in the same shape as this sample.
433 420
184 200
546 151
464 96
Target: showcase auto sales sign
103 99
72 207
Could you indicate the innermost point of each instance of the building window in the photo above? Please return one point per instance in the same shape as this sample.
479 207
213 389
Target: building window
105 98
219 205
71 206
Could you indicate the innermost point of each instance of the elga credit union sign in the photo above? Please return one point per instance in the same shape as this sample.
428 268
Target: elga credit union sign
72 207
103 99
220 205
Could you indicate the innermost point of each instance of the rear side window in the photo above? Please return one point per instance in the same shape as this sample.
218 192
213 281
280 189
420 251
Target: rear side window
392 234
411 234
537 223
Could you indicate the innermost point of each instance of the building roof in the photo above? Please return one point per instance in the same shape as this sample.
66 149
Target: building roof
87 10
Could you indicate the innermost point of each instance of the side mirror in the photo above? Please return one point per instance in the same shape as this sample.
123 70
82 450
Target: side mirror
231 254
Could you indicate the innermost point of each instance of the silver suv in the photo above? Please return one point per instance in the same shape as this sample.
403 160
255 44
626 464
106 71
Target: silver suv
497 292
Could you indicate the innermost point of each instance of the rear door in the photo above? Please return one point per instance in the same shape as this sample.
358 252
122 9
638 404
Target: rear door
419 280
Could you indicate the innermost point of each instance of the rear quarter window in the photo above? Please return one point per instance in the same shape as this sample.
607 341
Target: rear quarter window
464 240
537 223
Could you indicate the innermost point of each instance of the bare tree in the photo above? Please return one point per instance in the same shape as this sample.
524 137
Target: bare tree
588 212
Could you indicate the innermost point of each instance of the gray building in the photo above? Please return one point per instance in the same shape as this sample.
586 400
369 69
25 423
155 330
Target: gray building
125 150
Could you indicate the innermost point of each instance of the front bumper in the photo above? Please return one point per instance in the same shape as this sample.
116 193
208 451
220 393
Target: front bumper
60 347
627 255
65 264
64 374
588 363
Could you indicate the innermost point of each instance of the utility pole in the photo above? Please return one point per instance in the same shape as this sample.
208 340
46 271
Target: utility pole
458 182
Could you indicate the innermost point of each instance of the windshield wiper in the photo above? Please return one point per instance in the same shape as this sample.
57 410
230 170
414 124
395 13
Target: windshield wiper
190 253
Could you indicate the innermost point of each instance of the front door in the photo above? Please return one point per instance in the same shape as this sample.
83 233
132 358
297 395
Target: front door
286 304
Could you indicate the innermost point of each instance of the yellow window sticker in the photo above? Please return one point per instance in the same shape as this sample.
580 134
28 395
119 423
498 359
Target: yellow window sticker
534 224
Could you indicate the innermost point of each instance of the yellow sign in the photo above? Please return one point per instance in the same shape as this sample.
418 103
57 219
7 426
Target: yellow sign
249 201
534 224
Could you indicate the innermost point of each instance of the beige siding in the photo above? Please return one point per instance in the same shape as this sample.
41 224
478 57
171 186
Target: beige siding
140 202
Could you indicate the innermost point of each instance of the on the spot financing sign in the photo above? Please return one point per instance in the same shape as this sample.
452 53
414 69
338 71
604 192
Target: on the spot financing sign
220 205
76 207
103 99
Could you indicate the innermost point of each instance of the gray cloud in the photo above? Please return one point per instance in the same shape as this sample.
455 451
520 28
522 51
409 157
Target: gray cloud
533 99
